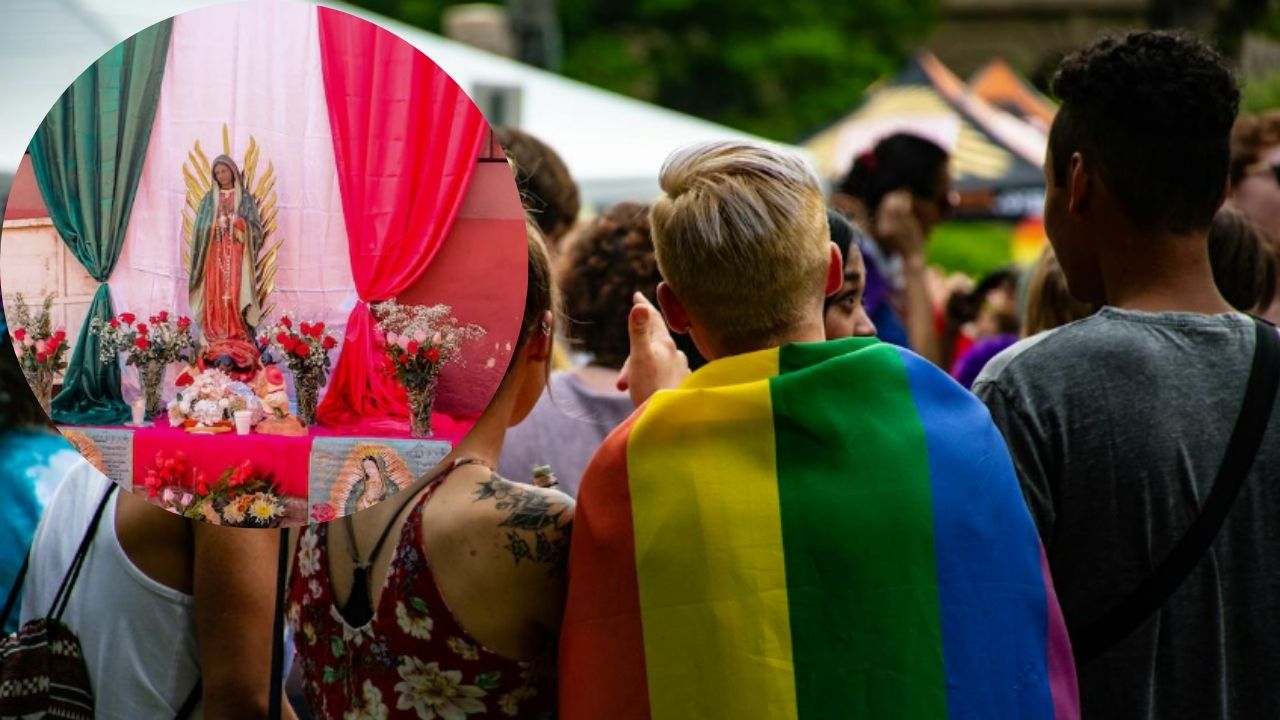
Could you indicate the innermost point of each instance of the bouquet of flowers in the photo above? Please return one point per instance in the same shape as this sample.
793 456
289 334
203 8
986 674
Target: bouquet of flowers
161 342
170 483
243 496
208 401
419 340
305 349
150 346
41 348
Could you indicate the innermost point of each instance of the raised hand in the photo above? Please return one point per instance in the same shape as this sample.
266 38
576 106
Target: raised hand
655 363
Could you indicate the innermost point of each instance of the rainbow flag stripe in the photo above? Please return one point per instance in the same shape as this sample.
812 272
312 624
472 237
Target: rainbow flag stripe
823 530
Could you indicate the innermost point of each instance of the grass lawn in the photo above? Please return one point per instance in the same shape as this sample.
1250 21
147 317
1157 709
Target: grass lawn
973 248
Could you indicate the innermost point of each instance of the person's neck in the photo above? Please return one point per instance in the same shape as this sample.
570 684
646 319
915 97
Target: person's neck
1161 272
484 441
808 331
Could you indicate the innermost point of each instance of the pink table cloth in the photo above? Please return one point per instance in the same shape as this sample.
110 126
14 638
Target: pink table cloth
288 458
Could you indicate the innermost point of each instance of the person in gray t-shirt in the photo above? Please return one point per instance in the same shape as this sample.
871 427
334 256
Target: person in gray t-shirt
1118 423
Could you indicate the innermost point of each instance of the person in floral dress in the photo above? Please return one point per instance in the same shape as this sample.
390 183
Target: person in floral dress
470 594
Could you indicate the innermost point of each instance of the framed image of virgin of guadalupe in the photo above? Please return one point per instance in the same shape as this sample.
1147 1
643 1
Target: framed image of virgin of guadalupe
370 474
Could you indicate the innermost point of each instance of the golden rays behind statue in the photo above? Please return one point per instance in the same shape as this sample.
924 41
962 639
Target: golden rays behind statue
228 223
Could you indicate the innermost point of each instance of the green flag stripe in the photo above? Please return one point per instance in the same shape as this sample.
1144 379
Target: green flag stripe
857 529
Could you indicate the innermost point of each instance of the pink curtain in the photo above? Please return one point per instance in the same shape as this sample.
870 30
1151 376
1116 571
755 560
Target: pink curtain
406 139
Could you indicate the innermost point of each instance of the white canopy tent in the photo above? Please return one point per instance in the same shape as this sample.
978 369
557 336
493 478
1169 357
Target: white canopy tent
614 145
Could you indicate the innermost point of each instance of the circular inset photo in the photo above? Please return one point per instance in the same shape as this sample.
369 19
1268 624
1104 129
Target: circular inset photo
265 264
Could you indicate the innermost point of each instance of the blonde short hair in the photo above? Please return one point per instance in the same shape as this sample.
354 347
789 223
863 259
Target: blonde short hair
741 237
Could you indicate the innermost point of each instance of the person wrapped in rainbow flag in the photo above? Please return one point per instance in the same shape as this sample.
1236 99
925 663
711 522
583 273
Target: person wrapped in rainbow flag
799 529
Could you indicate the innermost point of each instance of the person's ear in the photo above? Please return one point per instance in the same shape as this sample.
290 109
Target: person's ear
540 344
1079 184
835 271
673 309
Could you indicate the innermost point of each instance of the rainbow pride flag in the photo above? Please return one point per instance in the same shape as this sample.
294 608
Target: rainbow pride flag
829 530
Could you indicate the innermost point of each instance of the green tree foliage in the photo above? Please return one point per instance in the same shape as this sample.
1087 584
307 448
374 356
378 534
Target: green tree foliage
778 69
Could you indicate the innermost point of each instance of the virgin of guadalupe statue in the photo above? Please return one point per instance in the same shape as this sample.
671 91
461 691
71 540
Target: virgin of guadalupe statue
374 485
225 242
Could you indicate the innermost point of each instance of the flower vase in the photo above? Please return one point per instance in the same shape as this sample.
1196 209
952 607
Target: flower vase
421 400
41 382
152 374
307 388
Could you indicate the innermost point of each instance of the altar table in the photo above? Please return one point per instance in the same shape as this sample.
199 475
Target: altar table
306 468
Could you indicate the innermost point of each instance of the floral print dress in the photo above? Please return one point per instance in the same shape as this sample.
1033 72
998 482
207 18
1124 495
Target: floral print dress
412 659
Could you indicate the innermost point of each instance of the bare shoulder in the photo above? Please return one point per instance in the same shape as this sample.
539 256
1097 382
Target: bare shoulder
532 524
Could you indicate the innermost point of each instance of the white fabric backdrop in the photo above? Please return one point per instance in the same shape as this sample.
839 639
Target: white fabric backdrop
256 68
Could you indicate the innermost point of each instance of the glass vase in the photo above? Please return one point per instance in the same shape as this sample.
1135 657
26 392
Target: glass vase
41 382
307 387
421 400
152 374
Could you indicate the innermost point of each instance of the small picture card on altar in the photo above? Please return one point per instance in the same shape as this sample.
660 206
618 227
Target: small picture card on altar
351 474
110 451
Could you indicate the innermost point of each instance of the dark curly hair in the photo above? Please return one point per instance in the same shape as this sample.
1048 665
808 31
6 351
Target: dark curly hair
899 161
605 266
546 188
1152 111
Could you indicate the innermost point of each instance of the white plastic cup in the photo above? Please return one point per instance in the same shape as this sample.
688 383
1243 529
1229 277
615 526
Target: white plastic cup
244 421
139 412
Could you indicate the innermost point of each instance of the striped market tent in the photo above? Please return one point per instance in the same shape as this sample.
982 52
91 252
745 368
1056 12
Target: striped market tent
996 156
999 84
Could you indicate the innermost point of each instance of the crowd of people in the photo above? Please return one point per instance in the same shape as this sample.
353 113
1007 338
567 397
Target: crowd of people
754 458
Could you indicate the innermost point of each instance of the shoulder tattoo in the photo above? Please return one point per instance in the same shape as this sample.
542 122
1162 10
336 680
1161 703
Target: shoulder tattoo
536 529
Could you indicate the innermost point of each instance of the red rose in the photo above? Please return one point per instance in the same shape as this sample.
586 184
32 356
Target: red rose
305 328
412 348
164 316
274 376
154 319
52 345
114 323
60 335
282 338
202 488
303 349
433 355
317 330
41 357
142 343
289 344
20 334
142 328
127 318
285 321
329 343
184 379
184 322
322 512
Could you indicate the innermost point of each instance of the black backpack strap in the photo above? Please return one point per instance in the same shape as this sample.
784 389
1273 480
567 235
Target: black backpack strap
277 634
63 596
12 601
1259 399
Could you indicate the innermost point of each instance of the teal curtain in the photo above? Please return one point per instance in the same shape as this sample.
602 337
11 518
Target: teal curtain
87 156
